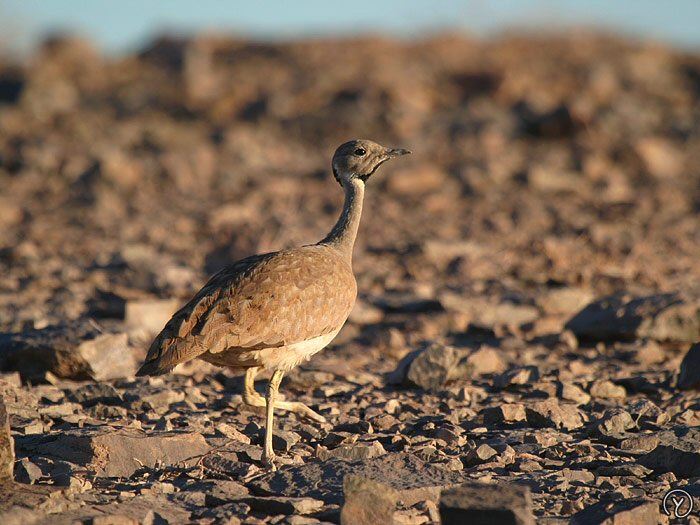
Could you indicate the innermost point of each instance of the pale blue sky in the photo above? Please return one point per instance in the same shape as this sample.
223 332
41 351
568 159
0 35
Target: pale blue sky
122 25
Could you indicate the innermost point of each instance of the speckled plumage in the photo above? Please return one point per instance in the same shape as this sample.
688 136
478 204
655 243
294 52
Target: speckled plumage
268 301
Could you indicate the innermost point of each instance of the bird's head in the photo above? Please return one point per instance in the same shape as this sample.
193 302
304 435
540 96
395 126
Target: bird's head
360 158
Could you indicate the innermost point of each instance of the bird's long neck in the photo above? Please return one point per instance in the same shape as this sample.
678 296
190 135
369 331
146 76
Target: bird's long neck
342 236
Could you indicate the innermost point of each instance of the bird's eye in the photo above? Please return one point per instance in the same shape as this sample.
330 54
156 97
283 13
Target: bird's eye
360 151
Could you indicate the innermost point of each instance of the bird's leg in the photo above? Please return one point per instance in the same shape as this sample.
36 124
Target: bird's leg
250 395
272 388
252 398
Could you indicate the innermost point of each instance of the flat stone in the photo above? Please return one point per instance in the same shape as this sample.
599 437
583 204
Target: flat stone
117 453
645 443
367 502
494 504
661 317
324 480
625 512
94 393
76 350
689 375
280 505
677 452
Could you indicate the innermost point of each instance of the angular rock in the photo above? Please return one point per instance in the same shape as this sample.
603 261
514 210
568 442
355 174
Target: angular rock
604 389
520 375
505 413
614 423
351 452
431 367
367 502
117 453
324 480
280 505
7 445
486 360
689 375
677 452
661 317
76 350
625 512
550 413
494 504
94 393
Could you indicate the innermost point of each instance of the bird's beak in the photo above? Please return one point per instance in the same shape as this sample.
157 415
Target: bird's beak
396 152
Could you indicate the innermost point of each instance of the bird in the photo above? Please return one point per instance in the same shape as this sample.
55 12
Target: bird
273 311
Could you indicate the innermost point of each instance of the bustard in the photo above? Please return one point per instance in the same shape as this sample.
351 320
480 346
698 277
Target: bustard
275 310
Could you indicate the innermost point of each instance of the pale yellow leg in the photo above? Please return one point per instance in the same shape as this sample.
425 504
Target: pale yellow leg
272 388
252 398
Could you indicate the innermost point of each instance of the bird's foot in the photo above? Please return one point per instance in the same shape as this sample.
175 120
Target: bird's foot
268 461
301 409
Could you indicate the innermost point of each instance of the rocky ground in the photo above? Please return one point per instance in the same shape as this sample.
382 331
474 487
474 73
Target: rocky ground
529 280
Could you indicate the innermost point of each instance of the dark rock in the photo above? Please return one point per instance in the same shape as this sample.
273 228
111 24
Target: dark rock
367 502
117 453
522 375
480 454
94 393
324 480
27 472
75 350
219 492
431 367
486 504
677 452
638 444
662 317
689 375
7 445
625 512
280 505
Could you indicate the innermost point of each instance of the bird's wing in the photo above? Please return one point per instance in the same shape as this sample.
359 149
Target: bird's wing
261 302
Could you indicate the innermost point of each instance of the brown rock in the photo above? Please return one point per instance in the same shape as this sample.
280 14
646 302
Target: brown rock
367 502
550 413
626 512
74 351
604 389
661 317
494 504
351 452
679 454
7 445
117 453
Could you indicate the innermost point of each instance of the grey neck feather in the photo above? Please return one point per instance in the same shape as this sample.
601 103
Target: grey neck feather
342 236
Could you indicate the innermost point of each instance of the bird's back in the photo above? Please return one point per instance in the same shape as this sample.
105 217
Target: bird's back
264 301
